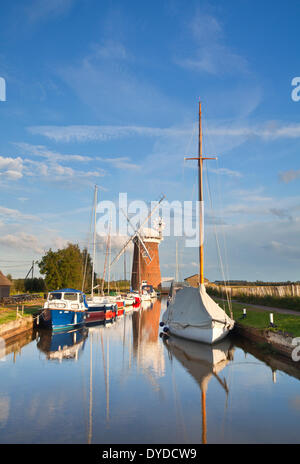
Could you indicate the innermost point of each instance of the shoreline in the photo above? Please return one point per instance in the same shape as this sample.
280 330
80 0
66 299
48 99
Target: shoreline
15 328
277 342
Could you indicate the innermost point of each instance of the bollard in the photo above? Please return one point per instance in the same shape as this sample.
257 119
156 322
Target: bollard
244 313
271 320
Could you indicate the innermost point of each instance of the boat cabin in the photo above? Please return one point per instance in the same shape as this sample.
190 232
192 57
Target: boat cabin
68 299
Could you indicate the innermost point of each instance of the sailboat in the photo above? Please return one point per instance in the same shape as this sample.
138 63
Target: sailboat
100 307
191 312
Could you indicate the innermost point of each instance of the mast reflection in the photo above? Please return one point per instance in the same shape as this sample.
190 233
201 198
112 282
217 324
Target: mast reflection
202 362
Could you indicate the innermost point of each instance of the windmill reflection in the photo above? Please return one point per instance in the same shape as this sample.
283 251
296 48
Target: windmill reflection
145 329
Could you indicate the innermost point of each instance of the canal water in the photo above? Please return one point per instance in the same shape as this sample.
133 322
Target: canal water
122 383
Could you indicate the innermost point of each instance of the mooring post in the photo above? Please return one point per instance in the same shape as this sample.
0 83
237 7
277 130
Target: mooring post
244 313
271 320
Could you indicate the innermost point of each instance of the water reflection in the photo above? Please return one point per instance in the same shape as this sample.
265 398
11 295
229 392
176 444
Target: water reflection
202 362
129 385
64 345
146 349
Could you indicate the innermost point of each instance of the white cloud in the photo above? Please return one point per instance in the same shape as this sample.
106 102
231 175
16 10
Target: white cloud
11 168
21 241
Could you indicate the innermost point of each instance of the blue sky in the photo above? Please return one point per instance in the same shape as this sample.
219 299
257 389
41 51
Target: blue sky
106 92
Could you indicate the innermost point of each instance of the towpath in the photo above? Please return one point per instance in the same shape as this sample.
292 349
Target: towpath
265 308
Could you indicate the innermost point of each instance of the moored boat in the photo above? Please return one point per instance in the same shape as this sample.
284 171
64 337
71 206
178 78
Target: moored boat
65 309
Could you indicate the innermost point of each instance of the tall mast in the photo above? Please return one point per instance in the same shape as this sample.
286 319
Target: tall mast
94 239
200 159
200 170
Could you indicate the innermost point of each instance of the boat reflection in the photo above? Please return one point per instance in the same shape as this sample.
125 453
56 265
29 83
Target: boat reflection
203 362
62 345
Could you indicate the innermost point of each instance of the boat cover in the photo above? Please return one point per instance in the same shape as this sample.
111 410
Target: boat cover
191 306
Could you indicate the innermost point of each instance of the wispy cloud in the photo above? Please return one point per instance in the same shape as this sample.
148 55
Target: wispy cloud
120 163
226 172
84 133
12 215
210 53
44 152
102 133
38 10
113 83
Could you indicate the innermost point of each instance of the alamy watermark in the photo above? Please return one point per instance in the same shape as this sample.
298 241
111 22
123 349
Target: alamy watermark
176 218
296 350
296 91
2 89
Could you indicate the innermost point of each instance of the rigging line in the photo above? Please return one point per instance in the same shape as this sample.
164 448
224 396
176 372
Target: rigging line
217 240
228 297
187 151
224 233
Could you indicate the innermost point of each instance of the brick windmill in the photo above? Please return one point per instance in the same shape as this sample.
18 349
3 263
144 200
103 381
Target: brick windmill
145 264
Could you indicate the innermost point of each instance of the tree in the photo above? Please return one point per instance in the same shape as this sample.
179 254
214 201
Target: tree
35 285
64 268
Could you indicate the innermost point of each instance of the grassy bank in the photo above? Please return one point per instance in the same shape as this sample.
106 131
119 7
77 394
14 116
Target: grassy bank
286 302
8 313
261 319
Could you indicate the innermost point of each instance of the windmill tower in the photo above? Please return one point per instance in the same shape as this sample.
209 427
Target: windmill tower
143 268
145 264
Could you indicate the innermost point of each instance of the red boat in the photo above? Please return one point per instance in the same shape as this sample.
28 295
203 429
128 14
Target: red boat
101 312
120 311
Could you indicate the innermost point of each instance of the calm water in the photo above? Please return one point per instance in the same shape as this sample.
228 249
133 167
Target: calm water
123 384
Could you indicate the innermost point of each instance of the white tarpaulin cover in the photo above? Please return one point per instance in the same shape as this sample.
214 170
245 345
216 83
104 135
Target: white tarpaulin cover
194 307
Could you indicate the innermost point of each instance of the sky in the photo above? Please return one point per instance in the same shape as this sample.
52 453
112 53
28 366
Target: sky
106 92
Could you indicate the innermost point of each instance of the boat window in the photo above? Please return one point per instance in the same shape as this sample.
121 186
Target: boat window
71 296
54 296
81 298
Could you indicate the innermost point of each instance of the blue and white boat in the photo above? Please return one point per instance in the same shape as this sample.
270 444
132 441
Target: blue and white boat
65 309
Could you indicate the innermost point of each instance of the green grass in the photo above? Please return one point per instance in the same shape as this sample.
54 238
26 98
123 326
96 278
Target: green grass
261 319
9 313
